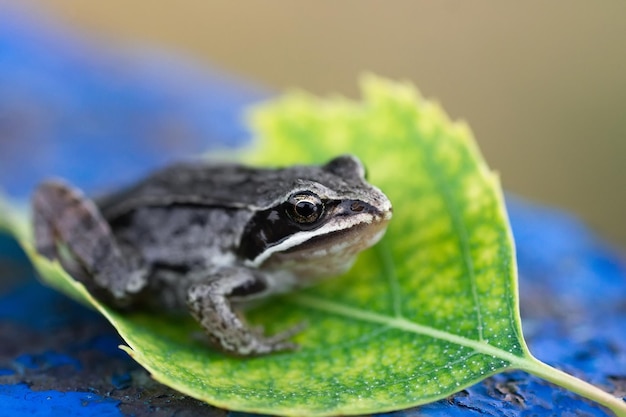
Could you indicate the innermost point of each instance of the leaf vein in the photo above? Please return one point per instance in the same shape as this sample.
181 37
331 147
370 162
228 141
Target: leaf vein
328 306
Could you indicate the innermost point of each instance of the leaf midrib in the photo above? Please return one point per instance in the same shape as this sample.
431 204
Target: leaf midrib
401 323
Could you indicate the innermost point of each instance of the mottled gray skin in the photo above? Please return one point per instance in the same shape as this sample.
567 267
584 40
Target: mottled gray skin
206 237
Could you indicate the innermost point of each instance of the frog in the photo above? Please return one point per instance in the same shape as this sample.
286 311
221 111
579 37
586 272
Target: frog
211 238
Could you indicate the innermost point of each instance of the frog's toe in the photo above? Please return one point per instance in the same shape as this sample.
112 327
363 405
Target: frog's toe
258 344
287 334
284 346
271 344
279 342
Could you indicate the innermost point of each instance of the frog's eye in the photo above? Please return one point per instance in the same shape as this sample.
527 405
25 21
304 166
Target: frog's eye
305 207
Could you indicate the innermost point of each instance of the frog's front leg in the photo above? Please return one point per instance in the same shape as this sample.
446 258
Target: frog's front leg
63 215
210 304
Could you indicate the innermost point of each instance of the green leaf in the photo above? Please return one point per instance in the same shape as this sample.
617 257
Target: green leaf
430 310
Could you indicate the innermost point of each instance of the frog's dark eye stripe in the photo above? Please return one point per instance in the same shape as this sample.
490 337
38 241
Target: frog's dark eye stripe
303 211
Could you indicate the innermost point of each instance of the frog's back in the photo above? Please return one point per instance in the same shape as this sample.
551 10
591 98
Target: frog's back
186 217
200 183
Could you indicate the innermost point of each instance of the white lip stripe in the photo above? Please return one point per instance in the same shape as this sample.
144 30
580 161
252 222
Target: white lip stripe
301 237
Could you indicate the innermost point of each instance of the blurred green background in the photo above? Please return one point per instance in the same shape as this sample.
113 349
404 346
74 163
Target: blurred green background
543 84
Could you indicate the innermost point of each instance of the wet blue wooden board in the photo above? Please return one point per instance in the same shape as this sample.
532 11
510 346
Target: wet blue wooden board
100 117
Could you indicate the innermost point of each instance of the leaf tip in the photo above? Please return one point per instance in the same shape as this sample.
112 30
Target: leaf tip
130 351
375 88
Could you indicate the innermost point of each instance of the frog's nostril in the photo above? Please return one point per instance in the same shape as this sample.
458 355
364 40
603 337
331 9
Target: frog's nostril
357 206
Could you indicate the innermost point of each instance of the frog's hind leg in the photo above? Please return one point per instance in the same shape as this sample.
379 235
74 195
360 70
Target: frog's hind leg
62 215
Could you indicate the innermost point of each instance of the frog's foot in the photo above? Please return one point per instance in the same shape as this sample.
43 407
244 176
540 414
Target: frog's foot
62 215
209 303
284 336
278 342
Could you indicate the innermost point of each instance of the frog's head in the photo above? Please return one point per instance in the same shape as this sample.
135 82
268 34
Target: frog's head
319 219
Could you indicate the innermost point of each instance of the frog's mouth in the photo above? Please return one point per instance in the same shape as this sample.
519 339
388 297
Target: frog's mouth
340 240
354 239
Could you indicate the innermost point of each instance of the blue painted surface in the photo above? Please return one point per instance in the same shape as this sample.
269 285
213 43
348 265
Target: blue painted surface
98 116
20 400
